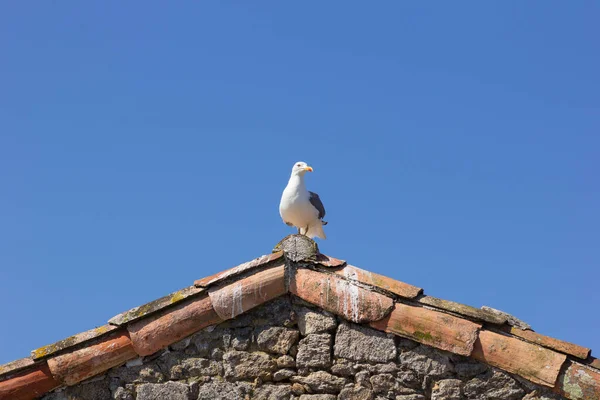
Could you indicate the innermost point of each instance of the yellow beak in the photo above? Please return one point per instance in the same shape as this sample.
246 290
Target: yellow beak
309 169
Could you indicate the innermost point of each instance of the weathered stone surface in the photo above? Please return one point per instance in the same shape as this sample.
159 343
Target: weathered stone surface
272 392
137 373
155 332
72 341
385 384
286 362
410 397
493 385
510 319
177 367
430 327
321 382
28 384
220 390
342 368
168 390
339 296
314 321
275 312
314 351
276 339
318 397
538 364
370 278
537 395
122 393
244 294
356 393
283 374
458 308
358 343
579 382
89 390
427 361
447 389
298 248
470 369
154 306
244 365
545 341
92 360
245 267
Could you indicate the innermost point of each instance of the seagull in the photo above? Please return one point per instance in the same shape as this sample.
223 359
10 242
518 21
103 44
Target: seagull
300 207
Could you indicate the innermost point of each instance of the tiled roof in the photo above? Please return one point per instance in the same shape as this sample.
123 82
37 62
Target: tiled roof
297 267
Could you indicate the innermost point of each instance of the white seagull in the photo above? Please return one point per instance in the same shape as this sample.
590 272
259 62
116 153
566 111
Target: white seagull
301 208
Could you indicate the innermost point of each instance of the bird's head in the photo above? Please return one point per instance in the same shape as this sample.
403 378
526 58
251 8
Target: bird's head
300 168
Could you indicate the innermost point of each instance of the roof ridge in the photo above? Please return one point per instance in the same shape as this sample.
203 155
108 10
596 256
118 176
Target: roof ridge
297 267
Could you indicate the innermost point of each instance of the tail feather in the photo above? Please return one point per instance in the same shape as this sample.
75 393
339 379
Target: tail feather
315 229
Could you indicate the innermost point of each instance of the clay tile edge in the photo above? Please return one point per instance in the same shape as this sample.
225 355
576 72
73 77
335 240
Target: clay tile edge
154 306
247 266
29 383
396 287
71 341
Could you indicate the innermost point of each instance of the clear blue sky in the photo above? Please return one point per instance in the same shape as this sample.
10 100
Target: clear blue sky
145 145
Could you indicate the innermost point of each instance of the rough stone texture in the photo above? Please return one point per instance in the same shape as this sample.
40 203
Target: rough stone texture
321 382
358 343
276 339
314 351
447 389
493 385
427 361
244 365
298 248
315 321
263 354
476 313
168 390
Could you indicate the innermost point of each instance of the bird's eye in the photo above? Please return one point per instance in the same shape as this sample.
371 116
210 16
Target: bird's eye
298 165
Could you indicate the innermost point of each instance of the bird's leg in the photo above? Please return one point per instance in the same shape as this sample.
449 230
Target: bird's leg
298 231
306 230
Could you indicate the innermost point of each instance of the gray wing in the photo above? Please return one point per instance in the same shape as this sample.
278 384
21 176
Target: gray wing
315 200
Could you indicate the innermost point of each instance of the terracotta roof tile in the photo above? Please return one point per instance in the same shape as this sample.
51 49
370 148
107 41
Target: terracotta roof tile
430 327
247 266
350 292
71 341
563 347
28 384
538 364
579 382
475 313
92 360
154 306
370 278
14 366
331 262
171 325
339 296
236 298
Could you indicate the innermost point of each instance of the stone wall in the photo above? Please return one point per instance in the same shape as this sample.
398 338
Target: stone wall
289 350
